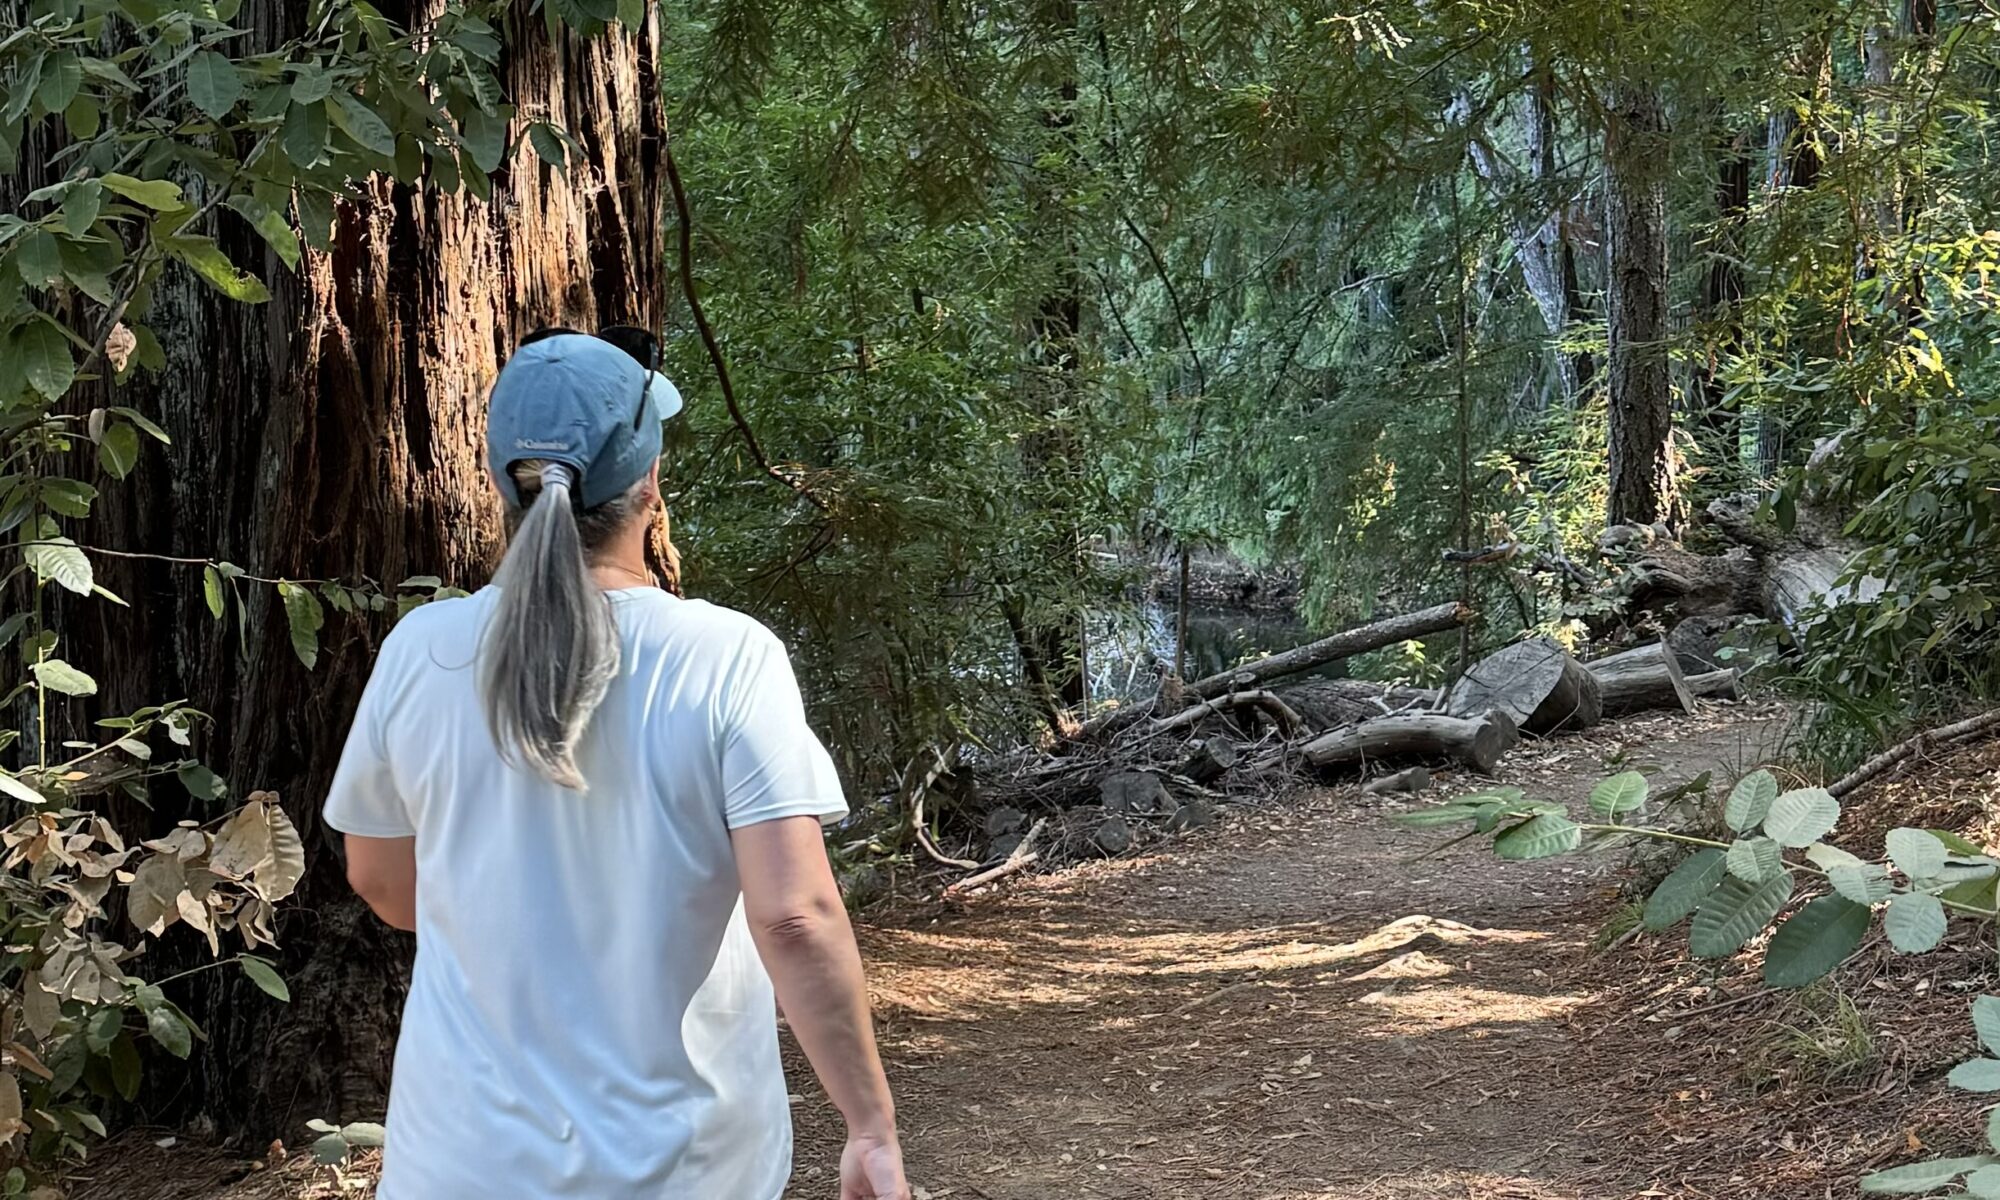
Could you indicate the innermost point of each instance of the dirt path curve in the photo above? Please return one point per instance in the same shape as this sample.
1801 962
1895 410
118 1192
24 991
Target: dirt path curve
1285 1008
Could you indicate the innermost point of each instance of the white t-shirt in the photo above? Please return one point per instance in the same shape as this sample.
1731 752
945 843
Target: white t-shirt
587 1016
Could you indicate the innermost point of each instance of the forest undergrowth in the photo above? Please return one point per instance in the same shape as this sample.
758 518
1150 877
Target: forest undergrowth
1300 1004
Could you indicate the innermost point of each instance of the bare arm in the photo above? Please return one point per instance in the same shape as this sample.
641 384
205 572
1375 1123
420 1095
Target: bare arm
802 933
383 871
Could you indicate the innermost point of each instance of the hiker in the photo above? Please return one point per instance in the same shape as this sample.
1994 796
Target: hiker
599 807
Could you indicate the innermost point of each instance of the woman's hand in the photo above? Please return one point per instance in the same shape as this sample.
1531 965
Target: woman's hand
871 1168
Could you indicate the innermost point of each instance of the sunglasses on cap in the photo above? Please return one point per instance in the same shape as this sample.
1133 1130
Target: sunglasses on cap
642 345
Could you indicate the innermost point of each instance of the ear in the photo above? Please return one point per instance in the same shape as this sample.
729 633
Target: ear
650 485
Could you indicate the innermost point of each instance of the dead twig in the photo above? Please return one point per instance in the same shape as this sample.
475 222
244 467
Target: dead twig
940 764
1024 855
1896 754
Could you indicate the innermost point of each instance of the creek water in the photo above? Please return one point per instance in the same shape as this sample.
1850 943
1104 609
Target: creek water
1125 645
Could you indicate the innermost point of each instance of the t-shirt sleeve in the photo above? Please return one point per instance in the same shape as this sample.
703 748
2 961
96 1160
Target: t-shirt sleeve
773 765
363 800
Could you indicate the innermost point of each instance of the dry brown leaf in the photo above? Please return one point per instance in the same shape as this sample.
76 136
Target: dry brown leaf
244 845
153 903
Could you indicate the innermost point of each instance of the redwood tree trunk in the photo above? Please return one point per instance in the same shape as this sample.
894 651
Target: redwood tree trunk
1641 417
337 433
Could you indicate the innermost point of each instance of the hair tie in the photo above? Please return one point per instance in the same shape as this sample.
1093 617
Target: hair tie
557 473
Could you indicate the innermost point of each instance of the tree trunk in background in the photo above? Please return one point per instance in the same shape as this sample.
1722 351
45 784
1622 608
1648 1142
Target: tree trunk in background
337 432
1635 234
1538 222
1792 159
1053 652
1722 288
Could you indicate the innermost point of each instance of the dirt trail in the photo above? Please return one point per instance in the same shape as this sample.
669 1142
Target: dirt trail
1281 1009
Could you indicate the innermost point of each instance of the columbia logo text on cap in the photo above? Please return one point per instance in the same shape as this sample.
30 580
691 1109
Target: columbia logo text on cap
531 444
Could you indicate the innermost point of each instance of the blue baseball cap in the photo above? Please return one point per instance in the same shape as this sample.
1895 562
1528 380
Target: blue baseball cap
579 400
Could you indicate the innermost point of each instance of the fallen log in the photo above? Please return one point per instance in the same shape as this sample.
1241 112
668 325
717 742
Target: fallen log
1288 722
1331 703
1650 677
1478 742
1345 644
1894 755
1536 683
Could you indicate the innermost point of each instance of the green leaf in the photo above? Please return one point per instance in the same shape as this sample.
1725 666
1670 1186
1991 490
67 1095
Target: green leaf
315 210
214 266
548 146
310 84
1683 890
1914 921
305 135
1441 814
44 358
1815 940
330 1150
81 206
213 84
201 783
83 118
59 559
1753 860
118 452
1543 836
366 1135
361 123
1750 801
103 1028
264 976
1863 883
1618 795
1986 1020
305 616
12 786
1977 1075
485 140
39 258
1736 912
58 676
145 424
1915 852
1917 1178
211 590
125 1067
1799 818
160 195
270 225
587 17
1985 1182
172 1033
62 75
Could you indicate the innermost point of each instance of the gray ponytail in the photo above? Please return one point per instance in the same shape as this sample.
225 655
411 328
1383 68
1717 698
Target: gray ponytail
551 649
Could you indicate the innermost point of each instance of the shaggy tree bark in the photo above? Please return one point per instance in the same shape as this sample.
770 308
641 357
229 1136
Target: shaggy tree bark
1641 419
337 432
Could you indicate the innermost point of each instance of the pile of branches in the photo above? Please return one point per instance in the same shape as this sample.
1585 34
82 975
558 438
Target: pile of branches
1141 772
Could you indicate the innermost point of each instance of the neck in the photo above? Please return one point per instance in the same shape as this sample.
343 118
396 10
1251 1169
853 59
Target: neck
622 563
